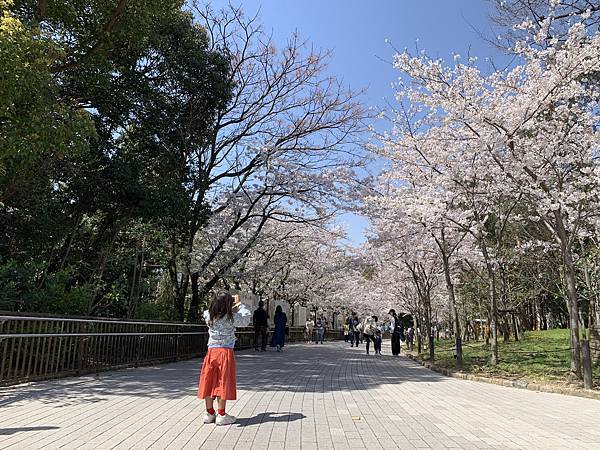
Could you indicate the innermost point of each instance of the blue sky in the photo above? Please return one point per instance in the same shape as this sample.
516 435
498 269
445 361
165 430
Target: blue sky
356 32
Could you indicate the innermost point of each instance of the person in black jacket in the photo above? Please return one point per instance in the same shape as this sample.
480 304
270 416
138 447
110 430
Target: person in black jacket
397 332
259 320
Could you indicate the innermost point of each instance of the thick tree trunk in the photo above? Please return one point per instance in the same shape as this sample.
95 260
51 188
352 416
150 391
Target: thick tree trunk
531 317
570 277
573 313
493 297
180 286
452 297
570 281
429 329
180 295
588 381
419 337
543 314
132 297
195 303
505 330
515 326
431 348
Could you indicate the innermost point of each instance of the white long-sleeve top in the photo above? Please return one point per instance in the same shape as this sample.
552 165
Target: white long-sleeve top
221 332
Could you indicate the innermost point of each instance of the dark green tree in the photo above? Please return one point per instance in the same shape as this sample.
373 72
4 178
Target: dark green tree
145 86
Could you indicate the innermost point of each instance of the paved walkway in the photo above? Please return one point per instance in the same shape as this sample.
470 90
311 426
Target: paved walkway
308 397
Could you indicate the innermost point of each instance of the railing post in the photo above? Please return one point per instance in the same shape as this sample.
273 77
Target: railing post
588 382
78 367
138 345
178 337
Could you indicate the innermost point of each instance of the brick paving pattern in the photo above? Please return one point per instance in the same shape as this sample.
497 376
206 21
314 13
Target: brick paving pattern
308 397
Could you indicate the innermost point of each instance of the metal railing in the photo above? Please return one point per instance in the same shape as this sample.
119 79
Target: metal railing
37 348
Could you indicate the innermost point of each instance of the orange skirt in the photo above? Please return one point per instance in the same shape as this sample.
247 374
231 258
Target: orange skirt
218 375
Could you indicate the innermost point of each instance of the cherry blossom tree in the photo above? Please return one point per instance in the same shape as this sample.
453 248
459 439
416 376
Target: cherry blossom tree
298 262
419 207
287 134
523 135
520 20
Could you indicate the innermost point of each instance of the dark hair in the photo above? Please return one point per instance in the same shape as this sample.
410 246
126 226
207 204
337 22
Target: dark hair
278 310
392 312
221 306
261 303
375 318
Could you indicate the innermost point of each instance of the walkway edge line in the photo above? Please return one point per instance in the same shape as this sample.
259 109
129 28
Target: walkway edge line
530 386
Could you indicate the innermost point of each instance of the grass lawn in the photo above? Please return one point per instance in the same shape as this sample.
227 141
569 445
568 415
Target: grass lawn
541 356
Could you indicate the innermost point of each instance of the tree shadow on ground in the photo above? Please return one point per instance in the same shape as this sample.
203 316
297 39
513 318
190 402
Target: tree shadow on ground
301 367
9 431
269 417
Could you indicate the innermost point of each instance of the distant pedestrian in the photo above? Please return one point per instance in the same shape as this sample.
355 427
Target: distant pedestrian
349 325
353 324
280 320
377 342
410 336
260 321
308 331
369 327
397 332
218 376
320 329
346 332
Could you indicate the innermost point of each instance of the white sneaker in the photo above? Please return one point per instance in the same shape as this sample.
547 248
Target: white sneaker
209 418
225 420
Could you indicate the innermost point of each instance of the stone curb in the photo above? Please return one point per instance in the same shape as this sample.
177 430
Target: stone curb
519 384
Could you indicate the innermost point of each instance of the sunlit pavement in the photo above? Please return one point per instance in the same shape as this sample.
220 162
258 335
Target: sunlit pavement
307 397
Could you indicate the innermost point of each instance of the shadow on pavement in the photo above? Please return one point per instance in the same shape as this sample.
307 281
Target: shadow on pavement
301 367
269 417
9 431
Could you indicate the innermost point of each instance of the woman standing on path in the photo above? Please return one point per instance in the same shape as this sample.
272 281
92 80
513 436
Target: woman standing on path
369 327
218 376
280 320
308 331
320 328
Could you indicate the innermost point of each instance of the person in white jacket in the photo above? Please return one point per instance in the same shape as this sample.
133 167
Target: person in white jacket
369 327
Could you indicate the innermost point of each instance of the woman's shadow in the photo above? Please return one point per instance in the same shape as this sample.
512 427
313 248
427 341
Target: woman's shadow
269 417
